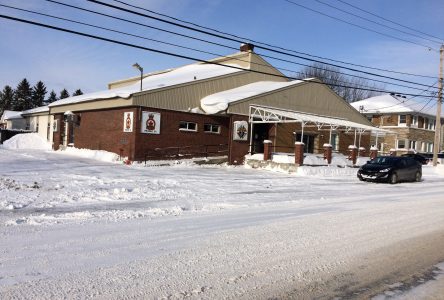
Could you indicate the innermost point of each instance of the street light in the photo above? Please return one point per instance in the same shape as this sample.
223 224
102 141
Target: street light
138 67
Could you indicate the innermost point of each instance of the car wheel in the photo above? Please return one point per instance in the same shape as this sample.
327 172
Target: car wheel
393 178
360 178
418 176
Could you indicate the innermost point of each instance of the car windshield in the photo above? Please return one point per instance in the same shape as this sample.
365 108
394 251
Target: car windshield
384 160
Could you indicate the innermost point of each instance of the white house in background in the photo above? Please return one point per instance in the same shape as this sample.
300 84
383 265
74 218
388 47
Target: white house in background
35 120
412 121
12 120
40 121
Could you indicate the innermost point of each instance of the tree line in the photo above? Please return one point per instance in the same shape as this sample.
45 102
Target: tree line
25 97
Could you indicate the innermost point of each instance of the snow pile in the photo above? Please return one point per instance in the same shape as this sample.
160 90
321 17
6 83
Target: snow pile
27 141
93 154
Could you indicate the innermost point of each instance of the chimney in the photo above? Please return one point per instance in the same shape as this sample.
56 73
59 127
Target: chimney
246 47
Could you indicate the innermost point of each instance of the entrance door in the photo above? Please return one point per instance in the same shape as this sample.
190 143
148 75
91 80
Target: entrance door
260 133
308 140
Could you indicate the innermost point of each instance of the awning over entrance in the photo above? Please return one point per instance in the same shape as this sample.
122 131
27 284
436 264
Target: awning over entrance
264 114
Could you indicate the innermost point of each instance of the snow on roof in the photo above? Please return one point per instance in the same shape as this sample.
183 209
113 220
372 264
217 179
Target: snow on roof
10 114
393 104
36 110
219 102
176 76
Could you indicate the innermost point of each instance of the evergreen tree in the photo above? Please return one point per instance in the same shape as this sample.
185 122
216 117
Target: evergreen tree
52 97
38 94
64 94
6 99
78 92
23 96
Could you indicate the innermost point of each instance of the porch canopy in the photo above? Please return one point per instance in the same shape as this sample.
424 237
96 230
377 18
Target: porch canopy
266 114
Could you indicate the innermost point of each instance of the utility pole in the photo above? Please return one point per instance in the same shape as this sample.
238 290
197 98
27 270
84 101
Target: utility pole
437 140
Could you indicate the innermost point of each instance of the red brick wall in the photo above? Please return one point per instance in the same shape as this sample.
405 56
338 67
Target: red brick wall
103 130
171 136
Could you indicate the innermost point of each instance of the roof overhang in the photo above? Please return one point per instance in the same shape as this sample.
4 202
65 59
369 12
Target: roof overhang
265 114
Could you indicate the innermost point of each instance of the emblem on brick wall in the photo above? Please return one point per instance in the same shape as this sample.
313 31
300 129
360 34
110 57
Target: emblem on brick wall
240 132
150 122
128 121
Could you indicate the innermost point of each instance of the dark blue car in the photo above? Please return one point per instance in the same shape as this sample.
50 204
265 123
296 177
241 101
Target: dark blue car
392 169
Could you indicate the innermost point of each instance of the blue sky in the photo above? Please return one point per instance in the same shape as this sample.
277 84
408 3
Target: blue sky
62 60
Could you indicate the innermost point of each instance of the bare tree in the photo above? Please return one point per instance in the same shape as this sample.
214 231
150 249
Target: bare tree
349 88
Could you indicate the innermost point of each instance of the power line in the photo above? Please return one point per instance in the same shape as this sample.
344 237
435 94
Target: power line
377 23
385 19
359 26
241 41
206 52
175 54
273 46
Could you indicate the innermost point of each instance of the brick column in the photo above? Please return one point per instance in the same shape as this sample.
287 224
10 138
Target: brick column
299 153
392 152
373 152
267 149
353 153
328 149
362 152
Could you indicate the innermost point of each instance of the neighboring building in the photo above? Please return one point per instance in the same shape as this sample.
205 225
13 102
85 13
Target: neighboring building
40 121
13 120
412 123
205 105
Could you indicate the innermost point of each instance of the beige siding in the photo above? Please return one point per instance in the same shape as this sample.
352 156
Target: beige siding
305 97
91 105
189 95
261 65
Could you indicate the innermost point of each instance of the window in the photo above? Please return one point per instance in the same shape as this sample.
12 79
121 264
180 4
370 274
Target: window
412 145
187 126
335 141
401 144
414 121
431 124
402 120
211 128
28 126
37 127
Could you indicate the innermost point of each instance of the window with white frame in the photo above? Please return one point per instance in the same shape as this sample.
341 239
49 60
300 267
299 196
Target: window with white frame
187 126
412 145
431 124
400 144
211 128
402 120
429 147
414 121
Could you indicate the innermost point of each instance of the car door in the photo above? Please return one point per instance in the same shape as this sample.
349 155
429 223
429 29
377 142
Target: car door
402 169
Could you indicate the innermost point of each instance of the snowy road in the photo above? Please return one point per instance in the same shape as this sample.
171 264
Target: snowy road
79 228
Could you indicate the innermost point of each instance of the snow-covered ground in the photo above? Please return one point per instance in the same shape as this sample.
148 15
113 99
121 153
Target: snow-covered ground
74 227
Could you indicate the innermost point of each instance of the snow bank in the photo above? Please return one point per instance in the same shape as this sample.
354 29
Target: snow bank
93 154
27 141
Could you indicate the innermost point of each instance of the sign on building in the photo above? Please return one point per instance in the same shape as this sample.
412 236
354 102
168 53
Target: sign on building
240 132
150 122
128 121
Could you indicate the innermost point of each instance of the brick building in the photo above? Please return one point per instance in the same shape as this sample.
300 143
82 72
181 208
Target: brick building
411 123
205 109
